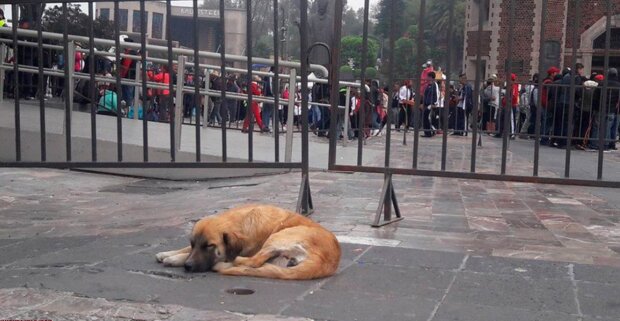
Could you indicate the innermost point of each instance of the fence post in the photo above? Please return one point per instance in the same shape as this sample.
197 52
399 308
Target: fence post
70 62
2 72
292 89
347 110
209 103
136 94
178 107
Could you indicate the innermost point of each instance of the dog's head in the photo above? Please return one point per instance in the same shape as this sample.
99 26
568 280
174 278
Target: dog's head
211 244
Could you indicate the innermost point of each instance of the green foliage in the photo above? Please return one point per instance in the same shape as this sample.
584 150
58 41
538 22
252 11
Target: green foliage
371 73
345 69
263 47
53 21
351 47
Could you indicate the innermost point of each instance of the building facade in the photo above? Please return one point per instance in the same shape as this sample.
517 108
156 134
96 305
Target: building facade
209 37
560 21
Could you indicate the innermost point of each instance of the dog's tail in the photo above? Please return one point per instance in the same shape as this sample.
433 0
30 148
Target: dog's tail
304 271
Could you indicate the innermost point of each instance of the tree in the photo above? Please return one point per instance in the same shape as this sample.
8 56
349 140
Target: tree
439 14
78 22
351 48
215 4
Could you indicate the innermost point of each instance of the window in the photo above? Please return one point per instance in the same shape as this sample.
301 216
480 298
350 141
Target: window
137 27
158 26
599 42
104 14
551 54
123 16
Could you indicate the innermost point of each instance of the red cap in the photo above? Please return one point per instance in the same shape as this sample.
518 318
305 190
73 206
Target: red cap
553 70
599 77
513 77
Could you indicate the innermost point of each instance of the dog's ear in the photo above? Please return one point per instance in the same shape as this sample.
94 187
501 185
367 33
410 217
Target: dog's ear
233 246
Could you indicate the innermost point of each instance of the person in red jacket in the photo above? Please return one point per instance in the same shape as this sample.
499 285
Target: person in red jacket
509 107
163 95
255 90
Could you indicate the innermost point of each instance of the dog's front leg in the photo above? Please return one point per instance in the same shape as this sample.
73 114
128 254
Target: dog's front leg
161 256
176 260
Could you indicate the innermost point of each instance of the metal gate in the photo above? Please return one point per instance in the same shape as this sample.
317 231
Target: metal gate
571 108
38 43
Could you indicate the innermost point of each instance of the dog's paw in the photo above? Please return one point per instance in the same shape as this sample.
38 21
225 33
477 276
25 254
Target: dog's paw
175 260
161 256
220 266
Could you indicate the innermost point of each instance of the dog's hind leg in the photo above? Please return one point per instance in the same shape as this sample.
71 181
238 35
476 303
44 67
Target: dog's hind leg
161 256
258 259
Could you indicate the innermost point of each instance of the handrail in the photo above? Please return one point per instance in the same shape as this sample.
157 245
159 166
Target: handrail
323 73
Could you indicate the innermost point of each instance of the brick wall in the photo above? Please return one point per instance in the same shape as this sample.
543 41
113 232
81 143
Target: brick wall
590 12
472 43
521 37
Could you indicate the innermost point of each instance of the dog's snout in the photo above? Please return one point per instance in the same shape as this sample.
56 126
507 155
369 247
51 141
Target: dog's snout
189 266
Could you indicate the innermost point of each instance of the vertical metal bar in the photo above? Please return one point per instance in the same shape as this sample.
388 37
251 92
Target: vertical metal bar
418 72
304 91
145 100
476 96
41 86
347 110
3 52
248 49
93 84
275 84
541 70
362 112
390 93
172 109
18 144
334 76
508 72
119 91
224 79
446 104
604 102
571 108
68 82
197 97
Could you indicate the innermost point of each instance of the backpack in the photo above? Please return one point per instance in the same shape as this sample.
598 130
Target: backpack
108 102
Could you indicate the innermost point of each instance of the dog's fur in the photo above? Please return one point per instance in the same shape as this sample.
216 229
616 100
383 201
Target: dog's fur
259 240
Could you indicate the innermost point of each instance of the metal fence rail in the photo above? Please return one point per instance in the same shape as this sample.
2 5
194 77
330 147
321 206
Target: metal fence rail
65 42
388 202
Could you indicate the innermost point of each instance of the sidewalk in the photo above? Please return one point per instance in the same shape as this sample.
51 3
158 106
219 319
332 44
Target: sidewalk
79 244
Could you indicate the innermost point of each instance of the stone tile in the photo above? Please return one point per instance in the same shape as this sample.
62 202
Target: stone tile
454 311
523 268
412 258
361 306
598 299
513 291
396 281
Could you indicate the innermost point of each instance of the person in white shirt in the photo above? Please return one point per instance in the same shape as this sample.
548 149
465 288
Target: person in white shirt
405 96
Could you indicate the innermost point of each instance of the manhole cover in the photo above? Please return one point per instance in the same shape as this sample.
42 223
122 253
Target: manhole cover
240 291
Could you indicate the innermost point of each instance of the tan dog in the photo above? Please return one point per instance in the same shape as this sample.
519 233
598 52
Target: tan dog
259 240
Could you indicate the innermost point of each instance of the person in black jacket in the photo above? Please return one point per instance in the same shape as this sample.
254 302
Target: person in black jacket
560 127
429 101
605 115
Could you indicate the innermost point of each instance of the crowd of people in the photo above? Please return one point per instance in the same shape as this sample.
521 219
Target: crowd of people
569 109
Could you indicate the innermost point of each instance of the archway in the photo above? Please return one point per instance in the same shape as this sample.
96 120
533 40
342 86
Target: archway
593 45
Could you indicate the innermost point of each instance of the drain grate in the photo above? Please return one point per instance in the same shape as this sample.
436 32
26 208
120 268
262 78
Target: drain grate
240 291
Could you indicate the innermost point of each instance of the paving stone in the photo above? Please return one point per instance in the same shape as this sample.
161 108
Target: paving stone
361 306
412 258
600 274
513 291
454 311
599 299
525 268
422 282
